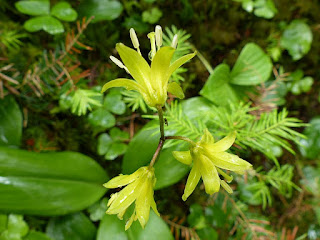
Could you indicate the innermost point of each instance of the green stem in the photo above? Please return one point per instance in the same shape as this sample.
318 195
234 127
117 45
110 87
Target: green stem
203 60
160 113
156 154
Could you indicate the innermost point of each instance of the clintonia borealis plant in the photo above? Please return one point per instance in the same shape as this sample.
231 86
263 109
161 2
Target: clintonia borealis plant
207 157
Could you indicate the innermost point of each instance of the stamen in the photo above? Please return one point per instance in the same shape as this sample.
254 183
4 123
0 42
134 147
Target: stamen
226 187
226 176
119 63
158 36
153 51
134 40
174 41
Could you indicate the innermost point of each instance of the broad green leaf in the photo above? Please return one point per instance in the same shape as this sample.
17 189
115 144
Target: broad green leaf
152 16
297 39
10 122
64 11
252 67
265 8
71 227
113 102
100 9
98 210
33 235
101 118
104 143
118 135
113 228
115 150
47 23
48 183
310 147
34 8
217 88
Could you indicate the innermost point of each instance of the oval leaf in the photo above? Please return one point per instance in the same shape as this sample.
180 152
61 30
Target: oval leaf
64 11
253 66
48 183
34 8
47 23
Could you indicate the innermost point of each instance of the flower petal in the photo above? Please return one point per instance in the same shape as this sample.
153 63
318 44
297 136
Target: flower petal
209 175
159 67
176 90
207 138
143 203
228 161
179 62
122 180
183 157
154 207
126 197
224 144
192 182
123 82
136 64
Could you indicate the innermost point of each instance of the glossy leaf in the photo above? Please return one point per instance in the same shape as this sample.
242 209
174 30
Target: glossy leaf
47 23
252 67
34 8
113 228
100 9
33 235
48 183
10 122
101 118
113 102
218 89
64 11
265 8
297 39
71 227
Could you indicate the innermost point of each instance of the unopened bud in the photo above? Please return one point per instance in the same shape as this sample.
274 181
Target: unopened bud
174 41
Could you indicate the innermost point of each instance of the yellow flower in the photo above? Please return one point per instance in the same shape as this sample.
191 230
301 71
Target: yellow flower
150 81
208 159
139 189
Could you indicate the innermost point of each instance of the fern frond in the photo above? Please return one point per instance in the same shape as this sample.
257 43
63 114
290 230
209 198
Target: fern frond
134 100
83 100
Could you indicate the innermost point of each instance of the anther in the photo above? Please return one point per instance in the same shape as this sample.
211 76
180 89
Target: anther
158 32
134 40
119 63
153 51
174 41
226 187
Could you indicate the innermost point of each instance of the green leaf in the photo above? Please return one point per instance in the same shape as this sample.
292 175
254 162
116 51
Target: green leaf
297 39
16 225
311 179
265 8
152 16
113 228
101 118
33 235
217 88
71 227
98 210
34 7
48 183
10 122
47 23
113 102
3 222
100 9
252 67
64 11
115 150
310 147
104 142
207 233
118 135
196 218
